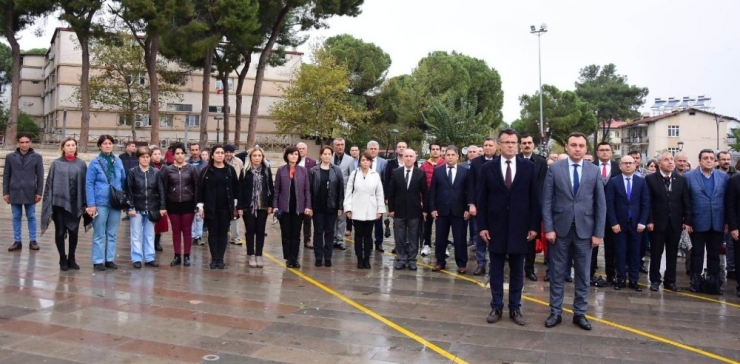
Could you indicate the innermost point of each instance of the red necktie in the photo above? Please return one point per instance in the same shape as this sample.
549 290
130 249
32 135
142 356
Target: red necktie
603 169
508 175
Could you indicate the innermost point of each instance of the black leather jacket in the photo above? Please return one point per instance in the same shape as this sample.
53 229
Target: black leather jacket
181 184
336 187
145 189
206 189
246 184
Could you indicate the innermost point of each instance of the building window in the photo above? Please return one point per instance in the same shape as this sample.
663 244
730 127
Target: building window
166 120
220 85
192 121
179 107
673 150
673 130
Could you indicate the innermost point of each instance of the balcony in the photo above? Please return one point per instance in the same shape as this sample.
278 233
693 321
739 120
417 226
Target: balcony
639 140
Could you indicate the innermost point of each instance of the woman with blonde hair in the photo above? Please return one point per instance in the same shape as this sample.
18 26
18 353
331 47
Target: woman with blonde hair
64 201
256 189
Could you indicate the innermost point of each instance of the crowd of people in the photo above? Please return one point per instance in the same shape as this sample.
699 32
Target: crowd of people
500 202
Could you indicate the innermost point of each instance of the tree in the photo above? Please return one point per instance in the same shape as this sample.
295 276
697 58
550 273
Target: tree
367 63
564 113
152 18
17 15
309 13
26 124
120 86
609 95
6 62
79 15
456 120
734 134
317 102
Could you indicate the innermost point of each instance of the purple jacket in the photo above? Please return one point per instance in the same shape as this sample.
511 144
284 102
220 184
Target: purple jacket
281 200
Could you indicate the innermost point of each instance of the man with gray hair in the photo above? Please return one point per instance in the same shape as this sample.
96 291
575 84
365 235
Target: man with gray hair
378 164
346 164
407 193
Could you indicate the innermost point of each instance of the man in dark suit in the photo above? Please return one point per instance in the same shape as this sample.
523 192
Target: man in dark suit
707 187
393 164
573 212
608 169
527 145
476 165
308 163
448 202
627 210
508 194
407 193
670 212
733 218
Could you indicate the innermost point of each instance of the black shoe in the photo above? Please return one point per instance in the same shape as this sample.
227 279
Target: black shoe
582 322
366 263
99 267
213 265
494 316
327 263
63 264
71 263
176 261
34 245
635 286
153 264
619 285
318 263
137 265
600 282
111 265
296 264
221 265
16 246
531 276
481 270
553 320
569 279
412 265
547 278
379 249
654 286
360 263
731 275
186 261
516 316
671 287
158 247
393 251
400 266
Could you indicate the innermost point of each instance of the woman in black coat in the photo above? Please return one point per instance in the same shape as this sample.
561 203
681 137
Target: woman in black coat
327 193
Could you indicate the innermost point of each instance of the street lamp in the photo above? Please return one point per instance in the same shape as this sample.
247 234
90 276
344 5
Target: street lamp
680 146
539 32
218 118
718 119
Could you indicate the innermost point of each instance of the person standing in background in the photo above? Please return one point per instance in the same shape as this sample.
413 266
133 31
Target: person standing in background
346 165
23 183
161 226
307 163
200 163
234 236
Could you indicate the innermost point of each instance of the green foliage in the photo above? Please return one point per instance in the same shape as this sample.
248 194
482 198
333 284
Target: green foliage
456 120
25 123
6 61
564 113
317 102
735 133
609 95
367 63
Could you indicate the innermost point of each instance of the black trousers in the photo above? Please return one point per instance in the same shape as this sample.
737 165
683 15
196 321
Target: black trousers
255 231
609 258
712 241
323 234
306 229
290 233
428 230
737 259
668 240
61 217
363 237
529 257
218 230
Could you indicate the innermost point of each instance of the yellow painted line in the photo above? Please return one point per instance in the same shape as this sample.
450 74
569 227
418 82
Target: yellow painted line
692 295
372 314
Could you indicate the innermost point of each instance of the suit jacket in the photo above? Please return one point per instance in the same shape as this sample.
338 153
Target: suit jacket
388 173
618 206
476 165
732 205
407 203
708 211
446 199
669 209
347 165
508 214
380 168
540 164
615 171
281 199
560 207
310 163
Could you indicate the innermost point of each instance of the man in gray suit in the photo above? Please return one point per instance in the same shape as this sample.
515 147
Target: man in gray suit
573 211
346 163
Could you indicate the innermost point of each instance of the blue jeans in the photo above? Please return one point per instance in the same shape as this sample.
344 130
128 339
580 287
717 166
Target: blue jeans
105 230
142 238
197 227
17 210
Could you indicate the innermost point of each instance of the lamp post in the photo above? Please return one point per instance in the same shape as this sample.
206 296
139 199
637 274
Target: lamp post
539 32
718 119
680 146
218 118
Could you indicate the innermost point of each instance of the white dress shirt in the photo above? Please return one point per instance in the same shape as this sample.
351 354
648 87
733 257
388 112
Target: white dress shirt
513 168
571 168
411 174
454 172
608 168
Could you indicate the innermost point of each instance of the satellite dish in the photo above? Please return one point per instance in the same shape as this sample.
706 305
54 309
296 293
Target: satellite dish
543 26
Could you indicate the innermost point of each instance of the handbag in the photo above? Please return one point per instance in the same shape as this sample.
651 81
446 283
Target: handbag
154 216
118 198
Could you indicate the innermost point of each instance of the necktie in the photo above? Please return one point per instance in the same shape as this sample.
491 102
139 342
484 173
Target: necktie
449 174
576 181
629 196
508 175
603 169
407 178
667 182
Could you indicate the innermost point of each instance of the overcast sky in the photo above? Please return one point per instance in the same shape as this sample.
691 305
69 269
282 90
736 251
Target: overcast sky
675 48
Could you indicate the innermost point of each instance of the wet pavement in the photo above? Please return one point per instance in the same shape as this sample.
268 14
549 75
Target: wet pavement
327 315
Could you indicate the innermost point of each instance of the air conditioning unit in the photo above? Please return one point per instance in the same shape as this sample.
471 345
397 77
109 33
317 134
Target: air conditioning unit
137 124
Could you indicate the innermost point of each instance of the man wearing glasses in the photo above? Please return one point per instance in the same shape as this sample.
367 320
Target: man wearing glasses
608 169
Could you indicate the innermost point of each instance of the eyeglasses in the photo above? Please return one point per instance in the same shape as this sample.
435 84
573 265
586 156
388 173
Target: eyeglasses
508 143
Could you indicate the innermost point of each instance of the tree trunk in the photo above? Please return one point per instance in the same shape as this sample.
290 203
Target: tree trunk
254 111
150 54
239 85
225 108
11 128
205 98
85 92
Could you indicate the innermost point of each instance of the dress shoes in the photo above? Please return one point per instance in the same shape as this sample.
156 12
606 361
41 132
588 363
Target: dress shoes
153 264
547 278
400 265
412 266
654 286
553 320
186 261
619 285
569 279
438 268
318 263
99 267
16 246
462 270
379 249
327 263
582 322
72 263
516 316
111 265
531 276
635 286
34 245
393 251
176 261
671 287
494 316
600 282
481 270
137 265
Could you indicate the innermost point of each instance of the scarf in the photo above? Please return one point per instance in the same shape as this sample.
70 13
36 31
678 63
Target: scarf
256 190
292 172
110 170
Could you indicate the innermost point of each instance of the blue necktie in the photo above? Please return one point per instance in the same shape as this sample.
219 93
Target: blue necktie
629 195
576 182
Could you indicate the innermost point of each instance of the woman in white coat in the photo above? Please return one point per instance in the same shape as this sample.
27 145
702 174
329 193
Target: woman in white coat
364 203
